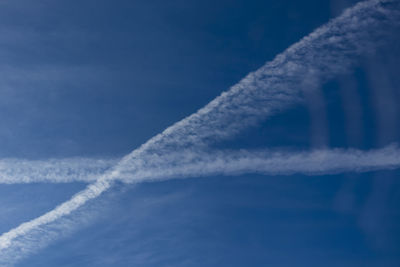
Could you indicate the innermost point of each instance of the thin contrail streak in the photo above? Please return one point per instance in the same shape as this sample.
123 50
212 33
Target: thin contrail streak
316 162
203 163
329 51
17 171
197 164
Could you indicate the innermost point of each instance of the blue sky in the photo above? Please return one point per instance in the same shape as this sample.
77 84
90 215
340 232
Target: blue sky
94 80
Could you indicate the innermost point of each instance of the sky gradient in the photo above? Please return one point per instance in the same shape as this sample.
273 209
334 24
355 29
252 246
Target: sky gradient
295 165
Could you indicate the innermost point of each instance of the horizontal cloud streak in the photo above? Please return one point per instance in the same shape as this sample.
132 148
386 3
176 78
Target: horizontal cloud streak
330 50
317 162
197 164
86 170
188 163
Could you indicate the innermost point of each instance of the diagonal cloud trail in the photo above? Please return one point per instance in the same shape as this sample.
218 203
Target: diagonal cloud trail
37 233
329 51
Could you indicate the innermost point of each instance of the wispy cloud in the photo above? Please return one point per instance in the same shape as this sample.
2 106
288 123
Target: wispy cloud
329 51
317 162
189 163
37 233
16 171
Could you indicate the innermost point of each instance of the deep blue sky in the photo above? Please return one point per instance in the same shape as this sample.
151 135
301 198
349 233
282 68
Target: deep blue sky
99 78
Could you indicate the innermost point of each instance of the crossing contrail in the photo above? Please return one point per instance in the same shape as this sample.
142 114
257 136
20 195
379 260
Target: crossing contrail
316 162
196 164
202 163
329 51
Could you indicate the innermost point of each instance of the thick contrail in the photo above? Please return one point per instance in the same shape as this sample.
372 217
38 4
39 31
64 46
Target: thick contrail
88 170
201 163
329 51
318 162
197 164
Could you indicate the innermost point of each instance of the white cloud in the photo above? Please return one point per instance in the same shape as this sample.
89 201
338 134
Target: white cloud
317 162
330 50
86 170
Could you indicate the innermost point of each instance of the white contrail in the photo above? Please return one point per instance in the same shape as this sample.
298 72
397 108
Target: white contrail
330 50
317 162
17 171
197 164
92 191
